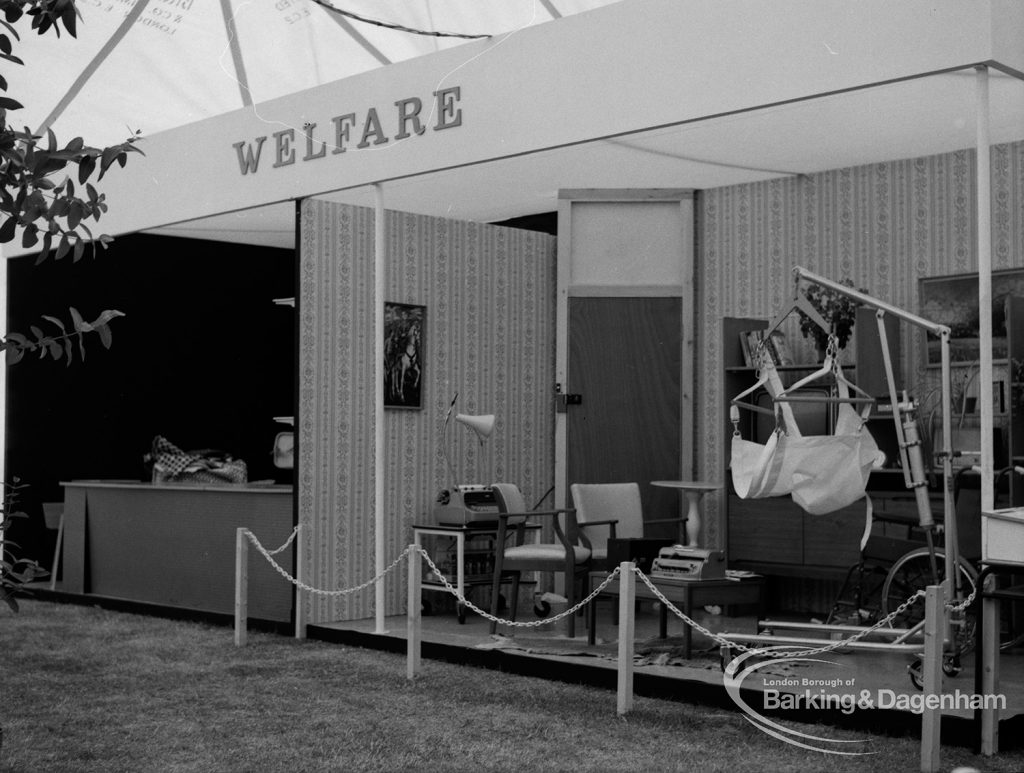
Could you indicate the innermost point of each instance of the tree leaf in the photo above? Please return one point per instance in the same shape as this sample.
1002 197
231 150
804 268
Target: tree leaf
105 337
79 250
47 241
85 168
10 104
70 17
76 319
62 247
7 230
56 321
74 214
106 316
30 235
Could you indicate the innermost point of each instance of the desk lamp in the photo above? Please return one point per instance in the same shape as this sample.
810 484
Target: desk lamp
482 425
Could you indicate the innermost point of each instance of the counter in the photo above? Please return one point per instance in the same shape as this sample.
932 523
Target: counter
174 544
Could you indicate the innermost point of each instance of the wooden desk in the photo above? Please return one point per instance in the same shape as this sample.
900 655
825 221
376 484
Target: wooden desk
688 594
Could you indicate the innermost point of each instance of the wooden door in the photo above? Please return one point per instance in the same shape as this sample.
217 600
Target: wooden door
625 363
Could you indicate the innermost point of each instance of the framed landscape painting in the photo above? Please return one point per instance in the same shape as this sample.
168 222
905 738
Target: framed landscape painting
953 301
403 355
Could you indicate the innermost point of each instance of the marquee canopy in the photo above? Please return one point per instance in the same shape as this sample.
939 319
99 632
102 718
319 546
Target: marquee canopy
564 94
152 65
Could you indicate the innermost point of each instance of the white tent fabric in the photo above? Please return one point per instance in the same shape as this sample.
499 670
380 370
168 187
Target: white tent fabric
151 65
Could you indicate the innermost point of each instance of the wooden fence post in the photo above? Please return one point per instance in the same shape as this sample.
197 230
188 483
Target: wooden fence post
627 627
413 616
931 716
241 587
300 575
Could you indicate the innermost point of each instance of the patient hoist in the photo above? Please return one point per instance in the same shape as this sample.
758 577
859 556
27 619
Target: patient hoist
904 414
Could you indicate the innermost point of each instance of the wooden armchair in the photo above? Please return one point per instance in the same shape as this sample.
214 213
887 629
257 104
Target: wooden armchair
608 511
513 555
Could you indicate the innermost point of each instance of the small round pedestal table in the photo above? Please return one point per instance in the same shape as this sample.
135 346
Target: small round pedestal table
694 490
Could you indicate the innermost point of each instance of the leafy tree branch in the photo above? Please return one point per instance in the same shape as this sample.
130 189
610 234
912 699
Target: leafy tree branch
37 192
49 210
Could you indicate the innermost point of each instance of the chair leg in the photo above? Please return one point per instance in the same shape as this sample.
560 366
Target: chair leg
503 577
513 602
570 592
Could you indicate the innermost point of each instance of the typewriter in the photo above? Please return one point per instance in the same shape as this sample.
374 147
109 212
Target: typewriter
679 562
464 505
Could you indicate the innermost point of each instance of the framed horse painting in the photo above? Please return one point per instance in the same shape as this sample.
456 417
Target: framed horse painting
403 355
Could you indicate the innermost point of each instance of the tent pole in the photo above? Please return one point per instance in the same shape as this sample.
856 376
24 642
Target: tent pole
378 402
984 204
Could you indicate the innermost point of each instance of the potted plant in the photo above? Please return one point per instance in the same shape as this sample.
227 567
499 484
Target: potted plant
839 310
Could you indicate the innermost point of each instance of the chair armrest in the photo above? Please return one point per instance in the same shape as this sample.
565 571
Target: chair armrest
666 520
611 522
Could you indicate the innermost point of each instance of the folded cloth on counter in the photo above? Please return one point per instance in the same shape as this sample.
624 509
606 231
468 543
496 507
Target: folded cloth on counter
172 465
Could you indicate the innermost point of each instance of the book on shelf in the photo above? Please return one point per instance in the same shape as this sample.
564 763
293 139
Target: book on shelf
777 347
748 356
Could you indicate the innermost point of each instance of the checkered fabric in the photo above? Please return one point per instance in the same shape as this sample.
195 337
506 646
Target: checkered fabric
171 464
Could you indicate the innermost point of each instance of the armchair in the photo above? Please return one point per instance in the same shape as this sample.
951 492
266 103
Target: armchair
513 555
608 511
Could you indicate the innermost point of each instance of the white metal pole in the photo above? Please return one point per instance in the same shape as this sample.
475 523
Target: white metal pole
379 249
985 377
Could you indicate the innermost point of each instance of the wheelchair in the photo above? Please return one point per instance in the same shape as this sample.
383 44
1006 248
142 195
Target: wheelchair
895 563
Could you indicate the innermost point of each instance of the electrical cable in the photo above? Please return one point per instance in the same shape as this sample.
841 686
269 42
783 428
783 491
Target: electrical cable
398 27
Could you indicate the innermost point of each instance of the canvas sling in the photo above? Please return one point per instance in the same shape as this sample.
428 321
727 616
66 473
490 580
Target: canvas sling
822 473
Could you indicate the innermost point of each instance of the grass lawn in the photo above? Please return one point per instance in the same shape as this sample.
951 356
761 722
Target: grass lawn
84 689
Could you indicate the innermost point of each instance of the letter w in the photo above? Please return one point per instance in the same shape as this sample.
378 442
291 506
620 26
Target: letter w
247 160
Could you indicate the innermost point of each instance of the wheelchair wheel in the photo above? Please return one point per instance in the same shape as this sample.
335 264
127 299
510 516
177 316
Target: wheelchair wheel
950 667
541 608
912 572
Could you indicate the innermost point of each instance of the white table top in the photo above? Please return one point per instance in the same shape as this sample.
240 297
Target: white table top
688 485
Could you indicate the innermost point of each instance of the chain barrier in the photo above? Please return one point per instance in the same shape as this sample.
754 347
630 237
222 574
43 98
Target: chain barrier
268 554
962 606
610 578
722 641
289 541
310 589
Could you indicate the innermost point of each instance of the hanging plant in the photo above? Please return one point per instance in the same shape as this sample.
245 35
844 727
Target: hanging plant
839 310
